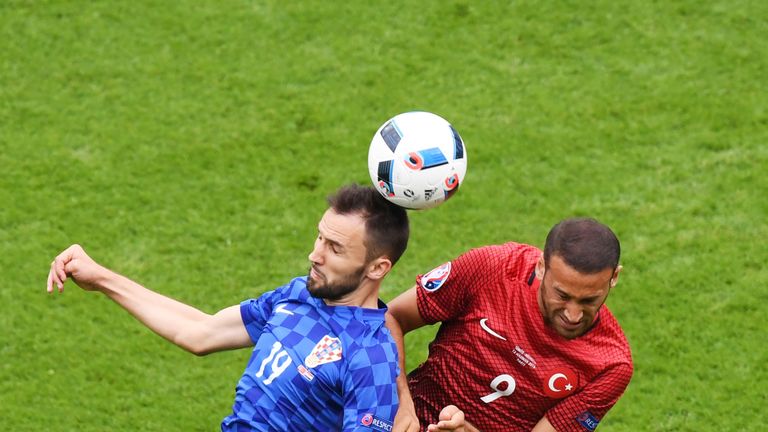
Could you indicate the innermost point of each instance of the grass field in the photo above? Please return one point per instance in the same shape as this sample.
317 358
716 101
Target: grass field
190 145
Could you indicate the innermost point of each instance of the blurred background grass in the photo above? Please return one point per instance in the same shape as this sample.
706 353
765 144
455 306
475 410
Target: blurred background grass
190 146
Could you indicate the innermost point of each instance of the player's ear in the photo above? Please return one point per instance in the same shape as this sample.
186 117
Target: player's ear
378 268
540 268
615 277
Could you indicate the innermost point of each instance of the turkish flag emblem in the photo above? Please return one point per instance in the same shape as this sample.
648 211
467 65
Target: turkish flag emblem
560 383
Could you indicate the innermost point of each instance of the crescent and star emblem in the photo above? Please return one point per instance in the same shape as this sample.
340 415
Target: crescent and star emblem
555 377
561 383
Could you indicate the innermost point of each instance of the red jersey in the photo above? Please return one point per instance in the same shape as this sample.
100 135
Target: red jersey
496 359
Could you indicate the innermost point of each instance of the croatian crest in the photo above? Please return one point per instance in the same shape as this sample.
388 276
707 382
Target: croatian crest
326 351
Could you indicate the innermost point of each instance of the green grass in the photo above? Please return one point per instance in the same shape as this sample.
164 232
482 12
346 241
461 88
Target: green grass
190 145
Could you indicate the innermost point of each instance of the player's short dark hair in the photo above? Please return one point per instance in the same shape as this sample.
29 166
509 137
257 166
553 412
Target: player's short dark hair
386 224
584 244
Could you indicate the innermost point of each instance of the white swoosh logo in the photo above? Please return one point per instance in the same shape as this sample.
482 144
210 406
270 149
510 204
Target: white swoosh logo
281 309
488 329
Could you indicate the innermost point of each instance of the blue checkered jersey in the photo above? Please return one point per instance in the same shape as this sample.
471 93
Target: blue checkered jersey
315 367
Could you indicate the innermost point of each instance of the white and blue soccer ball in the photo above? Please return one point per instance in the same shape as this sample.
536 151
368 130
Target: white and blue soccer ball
417 160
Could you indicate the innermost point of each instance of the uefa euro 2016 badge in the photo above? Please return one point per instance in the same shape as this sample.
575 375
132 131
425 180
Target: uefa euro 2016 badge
326 351
433 280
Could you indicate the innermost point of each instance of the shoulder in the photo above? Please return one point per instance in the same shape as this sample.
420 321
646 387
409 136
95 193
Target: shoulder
370 329
516 259
296 290
504 252
369 340
608 339
604 356
611 353
376 352
611 325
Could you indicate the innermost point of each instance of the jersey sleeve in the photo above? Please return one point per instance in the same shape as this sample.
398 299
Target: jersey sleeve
445 292
370 389
256 312
583 411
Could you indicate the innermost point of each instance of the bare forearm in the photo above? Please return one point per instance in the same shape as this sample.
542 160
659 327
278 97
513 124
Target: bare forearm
165 316
183 325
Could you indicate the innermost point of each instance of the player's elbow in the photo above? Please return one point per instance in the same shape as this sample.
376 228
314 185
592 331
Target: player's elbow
199 349
213 333
201 352
192 346
195 340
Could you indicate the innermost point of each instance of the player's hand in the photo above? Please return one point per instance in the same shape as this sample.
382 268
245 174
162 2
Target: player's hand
451 419
406 419
74 263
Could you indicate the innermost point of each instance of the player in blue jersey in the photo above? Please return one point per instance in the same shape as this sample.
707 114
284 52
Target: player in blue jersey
323 360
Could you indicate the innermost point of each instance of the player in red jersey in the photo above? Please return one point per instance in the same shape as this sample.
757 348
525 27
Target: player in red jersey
526 342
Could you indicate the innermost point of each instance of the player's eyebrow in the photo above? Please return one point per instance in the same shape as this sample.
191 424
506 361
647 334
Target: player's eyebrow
590 299
335 243
565 295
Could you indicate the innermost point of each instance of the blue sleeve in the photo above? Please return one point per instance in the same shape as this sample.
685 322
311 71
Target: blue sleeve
256 312
370 389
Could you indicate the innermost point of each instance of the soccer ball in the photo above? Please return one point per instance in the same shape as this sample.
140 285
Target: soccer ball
417 160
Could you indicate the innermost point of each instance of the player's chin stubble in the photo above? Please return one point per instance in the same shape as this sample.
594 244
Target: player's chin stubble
335 290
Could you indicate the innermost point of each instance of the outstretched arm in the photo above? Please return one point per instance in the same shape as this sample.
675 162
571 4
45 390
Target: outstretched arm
183 325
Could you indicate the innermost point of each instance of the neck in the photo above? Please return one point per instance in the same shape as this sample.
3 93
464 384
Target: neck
366 296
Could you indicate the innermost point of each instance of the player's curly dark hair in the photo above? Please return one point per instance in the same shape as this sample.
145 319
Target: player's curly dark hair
584 244
386 224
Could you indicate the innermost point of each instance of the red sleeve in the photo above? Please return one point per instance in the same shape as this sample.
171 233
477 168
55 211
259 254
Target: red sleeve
583 411
446 291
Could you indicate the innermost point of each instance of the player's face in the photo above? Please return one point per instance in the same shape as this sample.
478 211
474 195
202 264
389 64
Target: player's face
338 260
569 300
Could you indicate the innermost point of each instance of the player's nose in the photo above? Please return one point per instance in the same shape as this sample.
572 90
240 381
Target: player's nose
316 255
573 313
